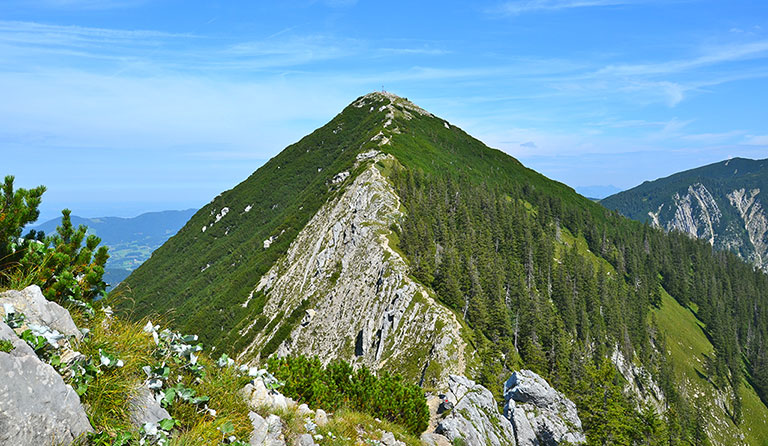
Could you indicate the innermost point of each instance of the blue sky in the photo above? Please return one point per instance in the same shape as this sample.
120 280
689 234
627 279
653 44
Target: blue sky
126 106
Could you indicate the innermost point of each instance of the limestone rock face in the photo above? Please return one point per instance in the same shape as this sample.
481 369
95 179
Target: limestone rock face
755 222
257 396
733 220
39 311
540 414
36 406
475 418
361 304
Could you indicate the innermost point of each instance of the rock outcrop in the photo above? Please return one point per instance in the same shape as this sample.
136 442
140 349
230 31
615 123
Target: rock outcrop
370 311
696 213
540 414
475 417
36 406
639 382
38 310
266 431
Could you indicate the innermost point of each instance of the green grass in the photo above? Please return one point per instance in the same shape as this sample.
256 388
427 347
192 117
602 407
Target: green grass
5 346
349 428
106 400
688 348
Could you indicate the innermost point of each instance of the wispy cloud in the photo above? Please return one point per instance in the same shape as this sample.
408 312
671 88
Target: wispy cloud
756 140
523 6
710 56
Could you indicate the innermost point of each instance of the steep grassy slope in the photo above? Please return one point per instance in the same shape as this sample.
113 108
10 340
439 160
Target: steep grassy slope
689 350
720 202
213 263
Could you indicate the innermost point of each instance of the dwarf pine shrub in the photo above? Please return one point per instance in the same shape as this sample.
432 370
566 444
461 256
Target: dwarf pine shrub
339 385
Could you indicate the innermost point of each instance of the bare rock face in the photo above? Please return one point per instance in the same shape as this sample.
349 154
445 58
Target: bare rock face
696 213
540 414
36 406
755 222
741 228
39 311
361 304
475 418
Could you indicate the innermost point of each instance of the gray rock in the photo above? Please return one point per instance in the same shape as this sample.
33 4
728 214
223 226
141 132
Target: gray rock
260 429
540 414
321 418
388 439
275 436
145 408
524 432
39 311
304 410
475 417
36 406
432 439
256 394
266 432
305 440
20 348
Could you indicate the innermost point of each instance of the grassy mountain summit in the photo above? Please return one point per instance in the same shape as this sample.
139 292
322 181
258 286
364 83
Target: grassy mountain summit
720 203
392 239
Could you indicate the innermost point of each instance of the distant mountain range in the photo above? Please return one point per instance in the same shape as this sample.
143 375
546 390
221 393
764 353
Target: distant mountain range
720 203
131 240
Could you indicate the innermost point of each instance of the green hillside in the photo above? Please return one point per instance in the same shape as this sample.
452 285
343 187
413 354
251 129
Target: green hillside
540 276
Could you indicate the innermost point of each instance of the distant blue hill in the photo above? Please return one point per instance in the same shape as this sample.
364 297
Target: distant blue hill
130 240
597 191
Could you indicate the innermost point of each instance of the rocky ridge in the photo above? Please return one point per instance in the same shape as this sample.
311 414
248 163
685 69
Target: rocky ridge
361 304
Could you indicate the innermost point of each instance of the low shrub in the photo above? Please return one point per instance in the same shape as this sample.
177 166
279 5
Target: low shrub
339 385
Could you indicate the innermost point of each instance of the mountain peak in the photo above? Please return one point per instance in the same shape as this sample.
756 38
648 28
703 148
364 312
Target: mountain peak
397 105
